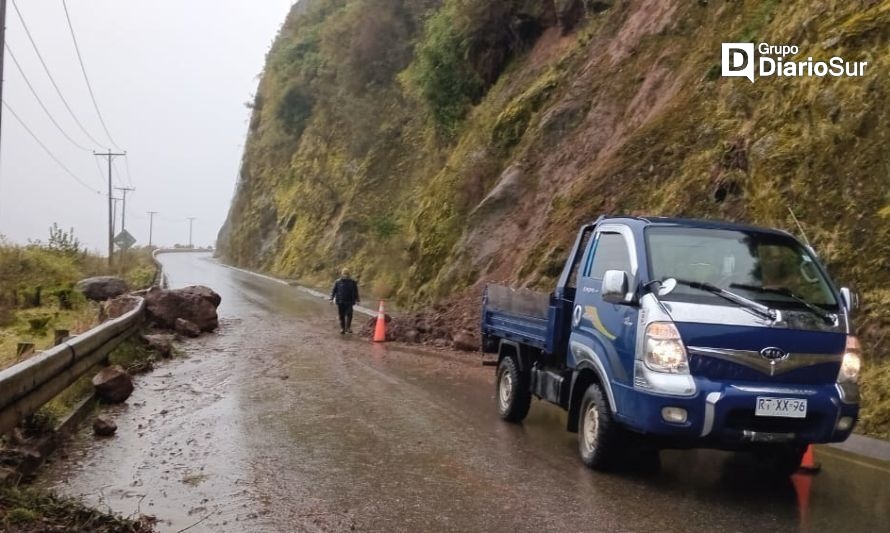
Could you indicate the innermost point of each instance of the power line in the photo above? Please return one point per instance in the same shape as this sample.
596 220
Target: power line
49 115
85 77
50 76
47 150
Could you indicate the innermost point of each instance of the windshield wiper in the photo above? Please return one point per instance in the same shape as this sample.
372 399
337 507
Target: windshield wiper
758 309
785 291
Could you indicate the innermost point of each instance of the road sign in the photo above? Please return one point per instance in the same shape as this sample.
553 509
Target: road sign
124 240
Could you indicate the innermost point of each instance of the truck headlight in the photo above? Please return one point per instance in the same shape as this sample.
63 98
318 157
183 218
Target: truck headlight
851 362
664 349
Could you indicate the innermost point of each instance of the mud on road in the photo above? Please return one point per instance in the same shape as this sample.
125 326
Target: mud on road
277 423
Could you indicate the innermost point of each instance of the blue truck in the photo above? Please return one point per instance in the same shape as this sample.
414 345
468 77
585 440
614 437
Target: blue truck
677 333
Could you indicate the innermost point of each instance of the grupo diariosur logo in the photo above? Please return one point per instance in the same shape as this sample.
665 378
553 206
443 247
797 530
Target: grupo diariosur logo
738 60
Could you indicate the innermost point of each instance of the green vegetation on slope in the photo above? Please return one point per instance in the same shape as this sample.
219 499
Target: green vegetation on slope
37 293
434 145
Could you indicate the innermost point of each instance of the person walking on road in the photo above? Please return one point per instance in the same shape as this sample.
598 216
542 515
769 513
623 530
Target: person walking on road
345 294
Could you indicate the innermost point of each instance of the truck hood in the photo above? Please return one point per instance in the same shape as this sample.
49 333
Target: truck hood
730 344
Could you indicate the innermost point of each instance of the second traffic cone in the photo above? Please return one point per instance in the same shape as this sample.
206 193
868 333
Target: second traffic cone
808 463
380 327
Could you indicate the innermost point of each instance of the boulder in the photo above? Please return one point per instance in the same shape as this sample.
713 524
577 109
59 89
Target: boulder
102 288
186 328
204 292
160 343
104 427
113 385
465 342
194 304
118 307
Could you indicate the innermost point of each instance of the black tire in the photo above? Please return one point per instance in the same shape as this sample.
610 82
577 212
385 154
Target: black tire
512 394
779 460
599 436
648 461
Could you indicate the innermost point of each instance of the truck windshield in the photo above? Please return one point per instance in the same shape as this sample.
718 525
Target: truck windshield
765 267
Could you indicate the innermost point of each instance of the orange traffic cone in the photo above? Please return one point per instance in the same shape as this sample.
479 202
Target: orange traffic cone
380 327
808 463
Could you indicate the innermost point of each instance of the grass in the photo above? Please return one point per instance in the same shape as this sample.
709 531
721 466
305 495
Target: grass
875 418
37 296
76 321
30 510
133 356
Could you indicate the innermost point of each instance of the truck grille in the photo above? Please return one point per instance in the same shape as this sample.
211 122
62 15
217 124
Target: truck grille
742 419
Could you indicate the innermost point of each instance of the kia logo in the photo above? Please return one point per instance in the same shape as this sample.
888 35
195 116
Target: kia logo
773 354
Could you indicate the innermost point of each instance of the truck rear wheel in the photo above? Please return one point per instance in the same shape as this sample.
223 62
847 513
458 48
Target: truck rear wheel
512 392
598 434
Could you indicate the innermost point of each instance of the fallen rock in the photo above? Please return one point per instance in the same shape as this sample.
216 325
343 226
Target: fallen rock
102 288
465 342
194 304
204 292
118 307
186 328
160 343
113 385
412 336
104 427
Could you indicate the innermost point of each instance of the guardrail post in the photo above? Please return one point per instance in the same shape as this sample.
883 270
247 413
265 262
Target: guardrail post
60 335
24 349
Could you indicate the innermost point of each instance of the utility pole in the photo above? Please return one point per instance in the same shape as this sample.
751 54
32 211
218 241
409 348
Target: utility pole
110 156
151 226
114 214
124 190
191 224
2 51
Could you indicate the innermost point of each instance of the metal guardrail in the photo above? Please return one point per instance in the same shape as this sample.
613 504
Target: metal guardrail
160 279
27 386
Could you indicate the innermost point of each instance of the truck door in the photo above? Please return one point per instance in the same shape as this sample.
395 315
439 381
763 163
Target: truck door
604 334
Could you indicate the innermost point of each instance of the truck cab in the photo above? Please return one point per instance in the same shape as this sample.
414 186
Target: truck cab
682 333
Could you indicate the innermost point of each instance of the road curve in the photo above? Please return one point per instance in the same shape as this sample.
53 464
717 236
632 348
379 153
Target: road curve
277 423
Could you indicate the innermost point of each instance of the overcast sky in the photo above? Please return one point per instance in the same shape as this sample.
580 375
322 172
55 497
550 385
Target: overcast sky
171 78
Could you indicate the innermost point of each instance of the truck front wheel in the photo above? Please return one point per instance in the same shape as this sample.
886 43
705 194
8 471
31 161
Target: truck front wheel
513 395
598 434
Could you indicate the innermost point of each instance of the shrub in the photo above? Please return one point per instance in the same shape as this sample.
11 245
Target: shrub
295 109
465 47
441 74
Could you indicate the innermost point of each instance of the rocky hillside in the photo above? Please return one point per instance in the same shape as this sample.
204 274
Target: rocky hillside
431 145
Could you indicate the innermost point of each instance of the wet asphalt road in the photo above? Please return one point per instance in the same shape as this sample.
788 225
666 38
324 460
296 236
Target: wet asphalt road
277 423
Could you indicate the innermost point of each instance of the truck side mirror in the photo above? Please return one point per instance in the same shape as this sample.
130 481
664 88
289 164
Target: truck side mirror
615 283
851 299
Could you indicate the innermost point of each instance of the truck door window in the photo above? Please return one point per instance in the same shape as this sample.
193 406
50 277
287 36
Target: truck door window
610 253
572 282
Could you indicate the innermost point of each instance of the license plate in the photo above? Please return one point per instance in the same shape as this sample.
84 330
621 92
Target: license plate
782 407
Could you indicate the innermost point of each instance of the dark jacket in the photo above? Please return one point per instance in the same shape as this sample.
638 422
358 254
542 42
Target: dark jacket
345 292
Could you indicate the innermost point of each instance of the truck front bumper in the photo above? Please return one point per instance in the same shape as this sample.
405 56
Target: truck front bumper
722 415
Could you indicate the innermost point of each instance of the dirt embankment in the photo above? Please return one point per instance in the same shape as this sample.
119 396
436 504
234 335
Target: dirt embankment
454 324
